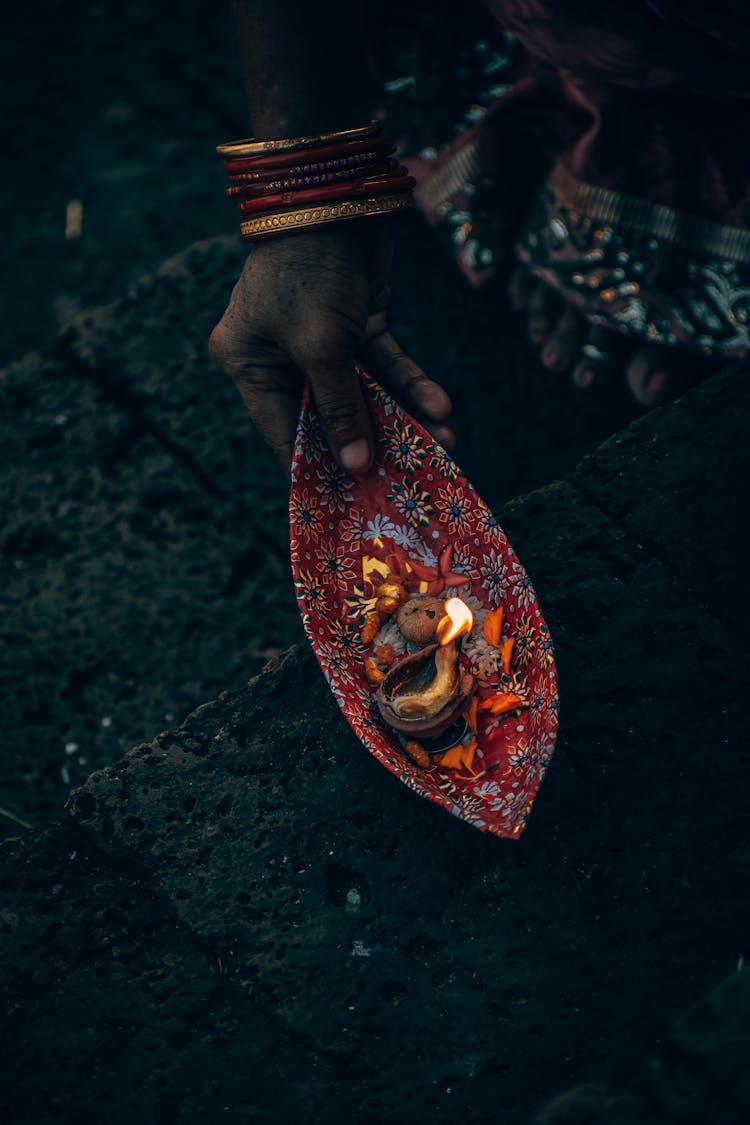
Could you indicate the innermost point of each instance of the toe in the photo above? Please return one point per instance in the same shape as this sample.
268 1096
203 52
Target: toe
544 311
652 375
519 288
601 356
564 341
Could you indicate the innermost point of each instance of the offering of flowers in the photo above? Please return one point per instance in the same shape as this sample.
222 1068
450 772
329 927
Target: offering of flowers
424 621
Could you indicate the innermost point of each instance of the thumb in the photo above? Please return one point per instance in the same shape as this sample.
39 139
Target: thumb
343 413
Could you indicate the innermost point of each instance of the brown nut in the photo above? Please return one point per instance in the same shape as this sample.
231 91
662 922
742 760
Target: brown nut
418 619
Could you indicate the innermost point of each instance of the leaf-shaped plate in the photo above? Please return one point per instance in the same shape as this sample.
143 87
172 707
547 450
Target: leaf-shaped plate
415 515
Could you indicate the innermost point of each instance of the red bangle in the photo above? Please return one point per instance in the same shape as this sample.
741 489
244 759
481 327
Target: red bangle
301 183
375 145
361 160
372 187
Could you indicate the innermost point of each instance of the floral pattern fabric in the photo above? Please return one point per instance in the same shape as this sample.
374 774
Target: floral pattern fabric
415 506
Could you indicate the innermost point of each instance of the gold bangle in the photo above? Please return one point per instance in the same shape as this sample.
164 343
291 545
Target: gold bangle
250 147
283 222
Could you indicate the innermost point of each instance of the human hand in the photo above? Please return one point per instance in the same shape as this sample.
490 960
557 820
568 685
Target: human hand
310 307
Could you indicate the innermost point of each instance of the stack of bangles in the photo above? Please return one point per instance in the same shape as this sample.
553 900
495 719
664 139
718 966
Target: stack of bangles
308 182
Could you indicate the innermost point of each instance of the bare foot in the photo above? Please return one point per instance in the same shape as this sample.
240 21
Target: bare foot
593 356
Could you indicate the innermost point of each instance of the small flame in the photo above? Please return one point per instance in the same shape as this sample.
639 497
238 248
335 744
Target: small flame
459 619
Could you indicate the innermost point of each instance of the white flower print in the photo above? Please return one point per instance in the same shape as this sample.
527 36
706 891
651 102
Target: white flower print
520 587
494 574
334 488
379 527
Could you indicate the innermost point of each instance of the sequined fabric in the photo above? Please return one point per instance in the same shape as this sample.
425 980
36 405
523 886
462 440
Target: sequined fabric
642 269
643 103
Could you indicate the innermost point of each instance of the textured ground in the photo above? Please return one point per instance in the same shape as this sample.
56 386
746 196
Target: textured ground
196 905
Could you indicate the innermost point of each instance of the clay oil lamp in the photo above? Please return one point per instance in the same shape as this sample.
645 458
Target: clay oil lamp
423 695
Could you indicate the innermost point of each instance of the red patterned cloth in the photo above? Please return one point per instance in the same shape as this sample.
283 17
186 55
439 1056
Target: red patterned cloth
415 506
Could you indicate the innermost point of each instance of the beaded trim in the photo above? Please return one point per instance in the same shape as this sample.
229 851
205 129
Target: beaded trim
643 269
299 218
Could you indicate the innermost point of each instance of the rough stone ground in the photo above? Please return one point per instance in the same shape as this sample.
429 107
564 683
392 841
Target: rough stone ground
178 945
190 924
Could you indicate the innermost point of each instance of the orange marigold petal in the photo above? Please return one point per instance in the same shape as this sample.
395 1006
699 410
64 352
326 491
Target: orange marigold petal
451 759
509 702
493 626
469 752
459 756
470 714
503 701
506 651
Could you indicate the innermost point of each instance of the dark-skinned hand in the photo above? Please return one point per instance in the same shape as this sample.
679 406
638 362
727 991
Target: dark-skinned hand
309 307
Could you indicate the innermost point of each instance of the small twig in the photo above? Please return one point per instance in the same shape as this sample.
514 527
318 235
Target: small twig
16 819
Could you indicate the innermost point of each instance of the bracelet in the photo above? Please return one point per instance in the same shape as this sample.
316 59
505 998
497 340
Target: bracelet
297 183
303 183
373 186
251 147
375 145
356 161
311 218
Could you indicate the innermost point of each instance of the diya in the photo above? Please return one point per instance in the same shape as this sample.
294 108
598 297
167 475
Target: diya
425 693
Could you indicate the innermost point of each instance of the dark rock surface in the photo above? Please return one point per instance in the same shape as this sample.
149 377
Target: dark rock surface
125 584
411 966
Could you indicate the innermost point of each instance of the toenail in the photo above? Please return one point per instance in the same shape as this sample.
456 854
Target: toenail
657 383
584 378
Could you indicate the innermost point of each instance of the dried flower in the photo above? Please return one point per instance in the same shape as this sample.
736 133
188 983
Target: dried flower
417 753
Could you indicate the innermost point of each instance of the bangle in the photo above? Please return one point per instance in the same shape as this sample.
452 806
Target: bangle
251 147
303 183
357 161
373 186
297 183
378 146
311 218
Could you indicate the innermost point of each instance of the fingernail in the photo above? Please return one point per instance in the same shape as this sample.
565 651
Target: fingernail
550 359
356 456
657 383
584 378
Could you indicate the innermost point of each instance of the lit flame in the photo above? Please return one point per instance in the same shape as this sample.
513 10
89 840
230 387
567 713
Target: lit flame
459 619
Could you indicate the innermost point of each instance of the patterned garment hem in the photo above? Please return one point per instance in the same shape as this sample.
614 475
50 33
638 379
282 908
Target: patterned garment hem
641 268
